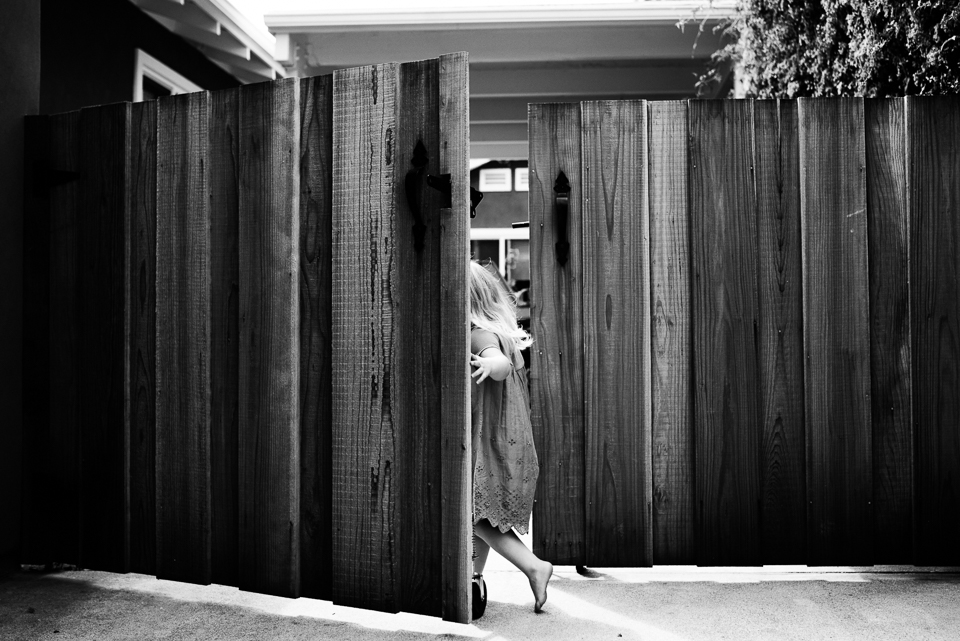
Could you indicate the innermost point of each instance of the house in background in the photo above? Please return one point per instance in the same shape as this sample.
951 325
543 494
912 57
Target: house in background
520 52
107 51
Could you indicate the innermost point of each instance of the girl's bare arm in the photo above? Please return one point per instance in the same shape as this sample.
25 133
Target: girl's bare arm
490 362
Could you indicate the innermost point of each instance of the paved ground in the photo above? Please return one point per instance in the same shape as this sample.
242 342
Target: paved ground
670 604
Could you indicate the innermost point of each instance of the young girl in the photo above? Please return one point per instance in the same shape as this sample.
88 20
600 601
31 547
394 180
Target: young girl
505 466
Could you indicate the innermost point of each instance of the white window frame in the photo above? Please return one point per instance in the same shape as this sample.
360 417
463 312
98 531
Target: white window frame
147 66
501 234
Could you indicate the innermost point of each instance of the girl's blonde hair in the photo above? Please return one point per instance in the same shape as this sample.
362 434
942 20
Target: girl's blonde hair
493 308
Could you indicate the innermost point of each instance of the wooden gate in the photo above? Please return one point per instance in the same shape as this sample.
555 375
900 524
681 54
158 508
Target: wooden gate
250 308
750 353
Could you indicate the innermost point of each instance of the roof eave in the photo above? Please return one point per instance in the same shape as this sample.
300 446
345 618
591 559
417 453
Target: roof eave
502 17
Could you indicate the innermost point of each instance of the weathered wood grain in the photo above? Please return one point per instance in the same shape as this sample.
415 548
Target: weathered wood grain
141 312
415 379
37 519
365 441
454 228
836 323
890 362
269 365
65 334
102 223
616 333
933 166
316 307
780 346
556 317
223 168
672 447
183 340
724 294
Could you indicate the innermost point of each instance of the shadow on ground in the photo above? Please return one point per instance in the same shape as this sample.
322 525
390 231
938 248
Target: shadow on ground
679 604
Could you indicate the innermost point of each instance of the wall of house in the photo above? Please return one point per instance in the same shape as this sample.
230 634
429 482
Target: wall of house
20 88
88 53
499 208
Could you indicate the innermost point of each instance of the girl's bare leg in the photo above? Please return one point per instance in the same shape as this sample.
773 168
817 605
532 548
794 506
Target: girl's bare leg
480 550
509 546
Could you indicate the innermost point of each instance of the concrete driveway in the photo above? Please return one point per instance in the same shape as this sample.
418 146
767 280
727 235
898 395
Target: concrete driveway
664 603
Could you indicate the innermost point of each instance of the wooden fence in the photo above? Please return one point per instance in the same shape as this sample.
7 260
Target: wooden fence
752 353
242 369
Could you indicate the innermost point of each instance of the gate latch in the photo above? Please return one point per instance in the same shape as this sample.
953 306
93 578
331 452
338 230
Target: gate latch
442 184
561 204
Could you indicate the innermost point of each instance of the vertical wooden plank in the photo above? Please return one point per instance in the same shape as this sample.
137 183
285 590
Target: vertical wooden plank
365 447
223 168
672 448
65 333
105 164
933 166
316 307
269 250
37 518
836 316
724 259
780 347
142 319
889 259
556 374
183 339
616 332
415 381
456 527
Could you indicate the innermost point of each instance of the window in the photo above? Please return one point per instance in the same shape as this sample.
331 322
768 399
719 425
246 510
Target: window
521 179
495 179
153 89
152 79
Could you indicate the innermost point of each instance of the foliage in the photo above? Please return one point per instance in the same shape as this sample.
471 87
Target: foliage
871 48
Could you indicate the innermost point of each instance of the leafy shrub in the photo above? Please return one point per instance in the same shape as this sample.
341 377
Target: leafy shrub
871 48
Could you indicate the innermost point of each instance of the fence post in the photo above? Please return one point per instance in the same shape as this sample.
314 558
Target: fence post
557 414
672 447
783 506
836 325
933 197
104 438
183 339
723 233
37 526
316 310
890 336
269 361
615 256
66 336
366 539
142 336
457 463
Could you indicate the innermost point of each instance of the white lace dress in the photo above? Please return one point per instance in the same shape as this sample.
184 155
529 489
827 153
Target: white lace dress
505 466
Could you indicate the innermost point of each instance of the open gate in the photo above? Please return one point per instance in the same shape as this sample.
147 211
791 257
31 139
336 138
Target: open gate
247 302
747 326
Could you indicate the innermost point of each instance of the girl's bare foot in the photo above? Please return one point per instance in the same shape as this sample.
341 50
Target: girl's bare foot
538 583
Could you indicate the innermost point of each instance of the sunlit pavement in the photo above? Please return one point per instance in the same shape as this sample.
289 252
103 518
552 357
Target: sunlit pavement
661 603
670 604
